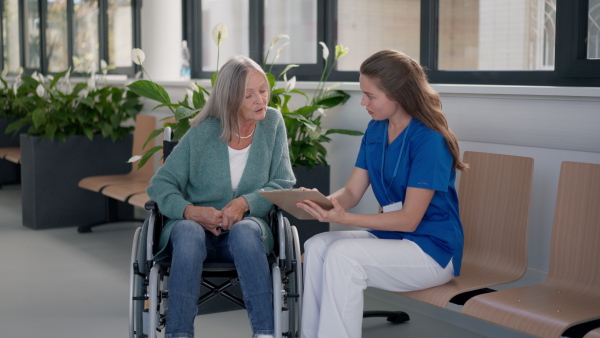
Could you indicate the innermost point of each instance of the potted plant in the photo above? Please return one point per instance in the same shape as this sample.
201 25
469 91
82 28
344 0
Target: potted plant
71 133
302 119
10 91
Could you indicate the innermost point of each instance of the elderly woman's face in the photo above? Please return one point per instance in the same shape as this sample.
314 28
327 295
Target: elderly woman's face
254 106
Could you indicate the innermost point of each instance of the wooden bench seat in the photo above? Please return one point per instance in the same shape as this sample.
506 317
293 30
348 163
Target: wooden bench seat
570 293
139 200
12 154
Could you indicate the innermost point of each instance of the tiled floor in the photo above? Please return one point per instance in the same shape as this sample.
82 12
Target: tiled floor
58 283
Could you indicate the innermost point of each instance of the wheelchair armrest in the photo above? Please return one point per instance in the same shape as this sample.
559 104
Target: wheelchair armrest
151 205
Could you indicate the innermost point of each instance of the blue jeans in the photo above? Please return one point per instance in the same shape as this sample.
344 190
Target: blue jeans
190 245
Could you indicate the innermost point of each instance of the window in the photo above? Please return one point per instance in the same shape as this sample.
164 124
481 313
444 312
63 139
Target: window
593 36
54 35
507 42
10 35
497 35
299 22
366 27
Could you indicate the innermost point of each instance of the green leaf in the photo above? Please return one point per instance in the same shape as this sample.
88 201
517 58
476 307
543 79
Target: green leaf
147 155
51 130
150 90
57 77
183 112
344 131
213 79
271 80
331 98
38 117
152 135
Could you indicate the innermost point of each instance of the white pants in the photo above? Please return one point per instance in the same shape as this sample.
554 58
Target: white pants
340 265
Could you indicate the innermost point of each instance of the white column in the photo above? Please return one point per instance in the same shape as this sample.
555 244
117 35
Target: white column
161 39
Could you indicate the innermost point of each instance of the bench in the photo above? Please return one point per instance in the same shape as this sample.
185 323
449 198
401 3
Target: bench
570 293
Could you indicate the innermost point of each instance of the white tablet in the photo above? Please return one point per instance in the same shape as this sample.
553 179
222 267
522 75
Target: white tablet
287 199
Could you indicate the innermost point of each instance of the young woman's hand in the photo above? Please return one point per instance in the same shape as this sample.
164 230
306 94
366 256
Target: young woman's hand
335 215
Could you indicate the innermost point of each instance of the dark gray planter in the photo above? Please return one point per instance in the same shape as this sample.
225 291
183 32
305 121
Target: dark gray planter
317 177
50 171
9 172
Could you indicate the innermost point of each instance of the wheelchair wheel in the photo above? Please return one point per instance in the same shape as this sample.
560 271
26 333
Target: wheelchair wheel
137 280
293 280
134 280
277 299
299 278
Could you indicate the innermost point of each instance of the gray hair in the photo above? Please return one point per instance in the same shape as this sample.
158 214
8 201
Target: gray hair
227 96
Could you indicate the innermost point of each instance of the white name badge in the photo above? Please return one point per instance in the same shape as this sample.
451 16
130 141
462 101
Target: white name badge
393 207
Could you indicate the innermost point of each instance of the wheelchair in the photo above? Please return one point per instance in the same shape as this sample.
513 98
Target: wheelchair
149 280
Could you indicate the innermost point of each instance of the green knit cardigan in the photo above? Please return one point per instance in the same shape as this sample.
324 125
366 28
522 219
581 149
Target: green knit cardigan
197 172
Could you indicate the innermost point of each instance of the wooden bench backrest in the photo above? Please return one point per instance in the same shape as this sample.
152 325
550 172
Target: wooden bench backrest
494 196
575 246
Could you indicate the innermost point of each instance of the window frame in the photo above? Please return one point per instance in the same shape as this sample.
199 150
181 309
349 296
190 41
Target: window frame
572 68
102 38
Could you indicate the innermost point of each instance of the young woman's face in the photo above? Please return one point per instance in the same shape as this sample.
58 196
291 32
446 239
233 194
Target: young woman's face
254 106
378 105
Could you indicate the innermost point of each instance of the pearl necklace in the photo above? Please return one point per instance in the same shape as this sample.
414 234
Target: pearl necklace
245 137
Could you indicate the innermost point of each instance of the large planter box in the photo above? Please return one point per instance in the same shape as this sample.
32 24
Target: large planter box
9 172
317 177
51 170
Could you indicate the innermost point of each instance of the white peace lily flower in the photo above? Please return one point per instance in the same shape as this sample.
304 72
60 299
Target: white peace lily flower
288 67
277 38
1 85
190 98
20 71
91 83
50 77
320 112
92 70
77 63
325 50
332 86
138 56
290 85
15 87
279 51
83 93
4 72
40 91
219 33
103 67
194 87
134 158
340 51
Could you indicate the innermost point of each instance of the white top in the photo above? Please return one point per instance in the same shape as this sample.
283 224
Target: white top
237 163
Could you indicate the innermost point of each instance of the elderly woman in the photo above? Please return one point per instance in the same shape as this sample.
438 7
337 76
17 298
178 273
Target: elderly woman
209 187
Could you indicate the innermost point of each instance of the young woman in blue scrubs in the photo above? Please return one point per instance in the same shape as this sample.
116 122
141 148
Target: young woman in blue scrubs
409 157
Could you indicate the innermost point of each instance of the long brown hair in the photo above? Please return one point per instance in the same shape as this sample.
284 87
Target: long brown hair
403 80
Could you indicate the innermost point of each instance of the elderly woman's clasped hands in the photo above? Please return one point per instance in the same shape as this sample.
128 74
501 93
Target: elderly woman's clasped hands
215 220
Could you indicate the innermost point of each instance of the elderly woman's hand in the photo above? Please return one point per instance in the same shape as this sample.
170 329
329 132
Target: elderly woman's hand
208 217
233 212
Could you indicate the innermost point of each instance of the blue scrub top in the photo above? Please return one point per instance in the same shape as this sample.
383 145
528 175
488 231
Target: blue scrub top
425 162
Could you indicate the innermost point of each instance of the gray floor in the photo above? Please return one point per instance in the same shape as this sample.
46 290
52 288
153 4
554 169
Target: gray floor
59 283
